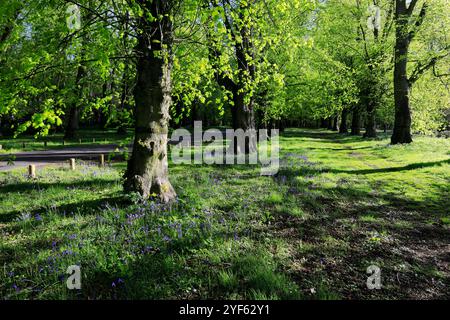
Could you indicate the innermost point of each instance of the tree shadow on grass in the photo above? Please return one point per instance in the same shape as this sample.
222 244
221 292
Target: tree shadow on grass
87 207
323 136
348 229
341 192
412 166
41 186
341 149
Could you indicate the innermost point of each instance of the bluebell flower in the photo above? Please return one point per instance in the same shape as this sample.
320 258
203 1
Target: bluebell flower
67 252
180 232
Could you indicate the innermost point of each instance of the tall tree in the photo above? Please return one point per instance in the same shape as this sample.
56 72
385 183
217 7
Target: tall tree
408 25
403 37
147 170
374 36
239 25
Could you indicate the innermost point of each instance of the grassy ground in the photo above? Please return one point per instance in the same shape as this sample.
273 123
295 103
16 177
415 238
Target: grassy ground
338 205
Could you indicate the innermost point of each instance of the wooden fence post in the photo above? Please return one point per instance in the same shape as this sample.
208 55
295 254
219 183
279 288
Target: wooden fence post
102 160
32 171
72 164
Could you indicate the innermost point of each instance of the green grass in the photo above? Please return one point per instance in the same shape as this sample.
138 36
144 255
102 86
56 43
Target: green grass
338 205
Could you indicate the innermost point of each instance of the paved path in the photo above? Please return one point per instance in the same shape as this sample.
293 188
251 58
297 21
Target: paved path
52 157
60 156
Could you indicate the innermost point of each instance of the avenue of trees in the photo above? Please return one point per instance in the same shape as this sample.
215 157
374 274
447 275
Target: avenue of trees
354 66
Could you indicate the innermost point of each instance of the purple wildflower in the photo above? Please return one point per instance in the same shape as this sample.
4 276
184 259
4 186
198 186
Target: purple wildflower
67 252
180 232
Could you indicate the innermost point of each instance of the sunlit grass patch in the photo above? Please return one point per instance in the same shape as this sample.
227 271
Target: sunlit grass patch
336 205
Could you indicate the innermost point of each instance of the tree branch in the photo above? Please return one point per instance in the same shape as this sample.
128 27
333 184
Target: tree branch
419 21
422 68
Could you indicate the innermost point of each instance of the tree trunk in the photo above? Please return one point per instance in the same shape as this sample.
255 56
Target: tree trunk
402 123
72 122
147 171
243 118
123 105
343 128
125 88
330 123
335 123
73 119
371 126
356 122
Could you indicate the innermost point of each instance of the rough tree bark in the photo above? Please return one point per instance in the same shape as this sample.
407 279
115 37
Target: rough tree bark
356 122
147 171
73 118
402 123
343 128
371 126
335 123
330 123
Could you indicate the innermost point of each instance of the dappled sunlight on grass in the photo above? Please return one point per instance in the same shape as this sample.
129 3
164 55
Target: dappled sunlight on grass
338 205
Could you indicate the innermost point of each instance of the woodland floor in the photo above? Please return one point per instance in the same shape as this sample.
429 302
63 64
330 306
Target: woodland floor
338 205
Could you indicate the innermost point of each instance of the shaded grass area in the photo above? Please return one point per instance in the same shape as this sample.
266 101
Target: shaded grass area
338 205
